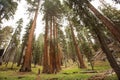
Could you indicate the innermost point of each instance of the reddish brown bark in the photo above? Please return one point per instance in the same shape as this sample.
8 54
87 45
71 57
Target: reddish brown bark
78 53
55 64
45 55
57 49
108 23
59 57
51 48
51 57
28 53
52 60
54 47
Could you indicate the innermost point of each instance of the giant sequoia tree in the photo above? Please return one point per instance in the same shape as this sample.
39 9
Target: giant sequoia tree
51 56
26 66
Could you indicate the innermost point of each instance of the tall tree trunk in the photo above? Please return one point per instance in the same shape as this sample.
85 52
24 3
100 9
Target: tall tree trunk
53 56
58 51
78 53
45 54
54 46
59 57
108 53
51 47
109 24
21 56
26 67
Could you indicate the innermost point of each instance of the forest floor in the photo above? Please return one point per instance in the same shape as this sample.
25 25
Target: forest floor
70 73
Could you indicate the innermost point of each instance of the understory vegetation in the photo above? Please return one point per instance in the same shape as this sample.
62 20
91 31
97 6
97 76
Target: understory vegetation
72 72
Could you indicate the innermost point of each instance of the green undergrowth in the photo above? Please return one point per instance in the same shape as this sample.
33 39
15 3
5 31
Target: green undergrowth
69 73
101 66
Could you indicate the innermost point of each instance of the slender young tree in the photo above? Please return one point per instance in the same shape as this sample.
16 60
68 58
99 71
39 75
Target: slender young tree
78 53
13 44
17 40
70 45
